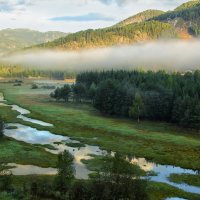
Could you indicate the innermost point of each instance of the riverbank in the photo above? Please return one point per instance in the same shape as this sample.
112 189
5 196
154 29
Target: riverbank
156 141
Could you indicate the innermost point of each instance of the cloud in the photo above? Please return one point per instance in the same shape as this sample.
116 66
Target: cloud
9 6
5 6
80 18
137 2
118 2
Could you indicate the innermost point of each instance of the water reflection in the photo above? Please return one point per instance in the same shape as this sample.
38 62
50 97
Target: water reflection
17 169
175 198
23 112
34 136
161 173
2 97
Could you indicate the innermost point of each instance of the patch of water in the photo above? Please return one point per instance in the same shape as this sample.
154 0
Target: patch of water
23 112
175 198
34 136
162 173
34 121
18 170
2 97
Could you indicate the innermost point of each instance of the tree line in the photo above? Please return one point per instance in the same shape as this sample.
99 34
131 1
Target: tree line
25 72
170 97
118 179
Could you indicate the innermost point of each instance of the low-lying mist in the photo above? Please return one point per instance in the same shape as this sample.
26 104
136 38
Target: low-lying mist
168 55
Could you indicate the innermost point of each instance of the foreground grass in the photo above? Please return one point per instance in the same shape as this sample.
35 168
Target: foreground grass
161 191
157 191
12 151
7 114
159 142
186 178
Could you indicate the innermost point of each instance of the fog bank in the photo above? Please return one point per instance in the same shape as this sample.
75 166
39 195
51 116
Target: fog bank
168 55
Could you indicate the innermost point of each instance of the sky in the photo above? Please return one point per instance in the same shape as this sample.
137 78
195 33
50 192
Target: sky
73 15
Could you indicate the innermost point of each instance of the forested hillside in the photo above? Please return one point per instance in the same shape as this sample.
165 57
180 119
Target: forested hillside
183 22
128 34
140 17
185 17
188 4
14 39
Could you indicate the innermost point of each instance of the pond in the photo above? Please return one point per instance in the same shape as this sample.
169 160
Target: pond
23 112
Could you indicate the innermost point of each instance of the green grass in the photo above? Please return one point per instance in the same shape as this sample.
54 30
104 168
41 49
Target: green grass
75 145
11 127
161 191
94 164
47 146
12 151
160 142
6 196
7 114
19 181
186 178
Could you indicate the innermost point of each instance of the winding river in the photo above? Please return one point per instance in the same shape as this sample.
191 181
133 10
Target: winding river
59 143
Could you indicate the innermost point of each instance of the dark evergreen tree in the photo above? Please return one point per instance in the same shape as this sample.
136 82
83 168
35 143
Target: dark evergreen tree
65 172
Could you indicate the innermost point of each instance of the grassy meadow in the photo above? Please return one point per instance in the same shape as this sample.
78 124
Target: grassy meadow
159 142
186 178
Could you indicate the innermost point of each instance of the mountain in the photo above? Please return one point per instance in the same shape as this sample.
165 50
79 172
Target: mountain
15 39
185 18
188 4
183 23
140 17
127 34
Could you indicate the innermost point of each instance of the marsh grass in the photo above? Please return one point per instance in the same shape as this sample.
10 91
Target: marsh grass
186 178
159 142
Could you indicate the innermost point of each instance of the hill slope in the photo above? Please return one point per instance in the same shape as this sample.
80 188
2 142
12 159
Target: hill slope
14 39
185 17
187 5
140 17
128 34
183 22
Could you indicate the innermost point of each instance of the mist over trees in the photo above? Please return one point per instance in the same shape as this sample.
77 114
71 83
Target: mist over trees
25 72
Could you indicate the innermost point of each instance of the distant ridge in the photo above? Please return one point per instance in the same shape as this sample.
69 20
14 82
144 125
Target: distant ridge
140 17
15 39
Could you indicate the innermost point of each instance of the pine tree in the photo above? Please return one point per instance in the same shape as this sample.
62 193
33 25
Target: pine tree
65 172
137 108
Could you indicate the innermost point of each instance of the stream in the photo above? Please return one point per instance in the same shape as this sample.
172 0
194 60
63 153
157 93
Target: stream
59 143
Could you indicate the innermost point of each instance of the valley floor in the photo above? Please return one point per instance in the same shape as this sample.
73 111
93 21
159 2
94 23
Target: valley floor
158 142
